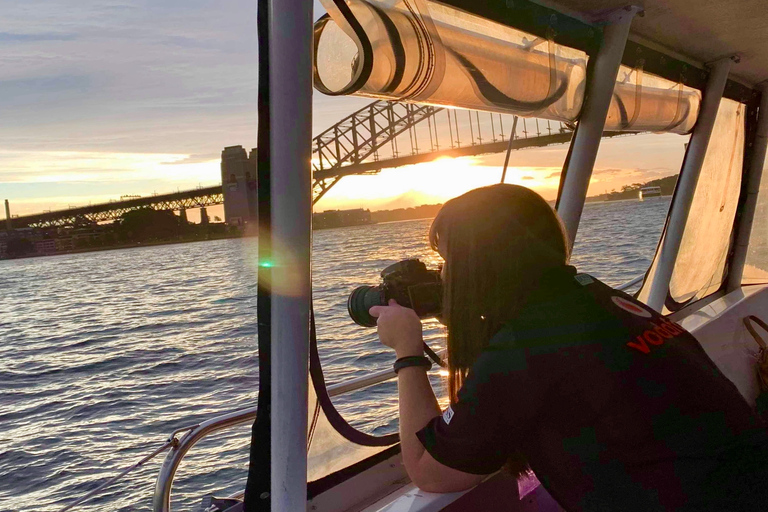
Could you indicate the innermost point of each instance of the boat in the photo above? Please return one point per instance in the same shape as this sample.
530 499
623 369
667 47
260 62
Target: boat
682 67
647 192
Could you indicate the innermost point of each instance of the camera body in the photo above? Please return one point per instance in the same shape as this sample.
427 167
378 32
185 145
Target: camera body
409 282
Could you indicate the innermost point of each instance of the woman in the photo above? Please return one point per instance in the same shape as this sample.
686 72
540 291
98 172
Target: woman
611 405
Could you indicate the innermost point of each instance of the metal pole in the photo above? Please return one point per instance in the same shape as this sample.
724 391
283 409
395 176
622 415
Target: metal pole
291 151
586 141
686 185
736 271
456 122
8 225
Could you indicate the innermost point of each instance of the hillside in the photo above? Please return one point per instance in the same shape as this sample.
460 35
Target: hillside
667 186
424 211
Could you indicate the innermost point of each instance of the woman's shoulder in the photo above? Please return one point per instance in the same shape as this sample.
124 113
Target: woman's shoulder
568 317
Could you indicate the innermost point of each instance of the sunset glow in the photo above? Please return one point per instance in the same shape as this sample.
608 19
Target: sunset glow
432 182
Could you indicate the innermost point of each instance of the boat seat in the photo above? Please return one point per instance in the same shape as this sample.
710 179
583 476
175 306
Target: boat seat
501 493
719 327
213 504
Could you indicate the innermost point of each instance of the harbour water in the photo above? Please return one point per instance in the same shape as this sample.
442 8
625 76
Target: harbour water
102 355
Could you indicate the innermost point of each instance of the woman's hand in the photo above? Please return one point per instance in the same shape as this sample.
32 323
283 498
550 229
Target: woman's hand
399 328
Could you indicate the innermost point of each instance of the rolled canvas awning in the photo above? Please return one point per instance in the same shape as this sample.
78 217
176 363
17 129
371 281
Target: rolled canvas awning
427 52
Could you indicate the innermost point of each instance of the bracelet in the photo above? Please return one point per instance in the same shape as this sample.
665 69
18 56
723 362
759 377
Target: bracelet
405 362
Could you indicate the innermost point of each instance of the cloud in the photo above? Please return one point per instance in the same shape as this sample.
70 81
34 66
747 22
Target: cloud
603 172
161 77
8 37
196 159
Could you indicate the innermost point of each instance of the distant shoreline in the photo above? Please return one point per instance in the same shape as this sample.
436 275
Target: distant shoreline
122 246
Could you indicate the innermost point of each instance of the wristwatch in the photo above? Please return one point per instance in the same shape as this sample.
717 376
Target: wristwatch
404 362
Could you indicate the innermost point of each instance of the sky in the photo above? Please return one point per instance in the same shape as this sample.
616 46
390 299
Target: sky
103 98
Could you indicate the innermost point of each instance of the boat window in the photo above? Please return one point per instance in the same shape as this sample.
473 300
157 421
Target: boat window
756 268
644 102
620 228
700 265
344 259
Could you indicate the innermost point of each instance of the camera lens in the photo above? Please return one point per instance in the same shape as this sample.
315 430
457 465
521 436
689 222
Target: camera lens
361 300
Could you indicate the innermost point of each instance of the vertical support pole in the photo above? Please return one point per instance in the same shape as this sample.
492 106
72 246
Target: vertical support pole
8 225
456 123
686 185
754 178
336 145
374 132
355 145
431 140
450 128
471 130
290 85
586 141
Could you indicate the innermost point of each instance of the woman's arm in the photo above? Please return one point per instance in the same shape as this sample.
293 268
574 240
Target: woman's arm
400 329
418 406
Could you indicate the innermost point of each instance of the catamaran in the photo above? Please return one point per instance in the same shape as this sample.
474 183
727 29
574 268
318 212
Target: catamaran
667 66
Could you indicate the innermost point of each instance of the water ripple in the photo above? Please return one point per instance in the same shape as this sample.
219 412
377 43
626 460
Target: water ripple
103 354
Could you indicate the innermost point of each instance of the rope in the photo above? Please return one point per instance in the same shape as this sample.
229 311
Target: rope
171 442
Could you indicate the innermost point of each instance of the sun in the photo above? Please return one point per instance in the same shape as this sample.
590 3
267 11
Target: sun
429 183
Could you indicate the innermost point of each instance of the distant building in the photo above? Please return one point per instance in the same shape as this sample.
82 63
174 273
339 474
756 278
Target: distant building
238 180
64 244
45 246
341 218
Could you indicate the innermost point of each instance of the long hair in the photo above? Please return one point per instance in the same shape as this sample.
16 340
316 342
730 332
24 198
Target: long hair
497 242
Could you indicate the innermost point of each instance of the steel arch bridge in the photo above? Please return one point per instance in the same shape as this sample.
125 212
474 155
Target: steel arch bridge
374 138
381 135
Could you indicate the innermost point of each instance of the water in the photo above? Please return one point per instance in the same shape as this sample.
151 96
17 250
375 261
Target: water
103 354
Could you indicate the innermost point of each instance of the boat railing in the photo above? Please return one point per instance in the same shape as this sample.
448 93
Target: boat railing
195 433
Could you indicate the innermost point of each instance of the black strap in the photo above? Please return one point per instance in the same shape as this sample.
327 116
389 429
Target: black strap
257 489
405 362
332 415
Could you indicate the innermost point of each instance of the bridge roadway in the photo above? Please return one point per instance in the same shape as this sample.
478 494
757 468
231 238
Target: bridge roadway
87 215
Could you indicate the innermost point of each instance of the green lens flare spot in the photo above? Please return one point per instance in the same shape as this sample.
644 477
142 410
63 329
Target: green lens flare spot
266 264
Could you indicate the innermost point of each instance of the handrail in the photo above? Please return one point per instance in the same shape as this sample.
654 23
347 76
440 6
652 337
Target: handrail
161 501
162 497
631 283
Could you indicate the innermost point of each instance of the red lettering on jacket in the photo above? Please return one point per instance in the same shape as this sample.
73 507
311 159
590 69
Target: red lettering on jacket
640 345
655 336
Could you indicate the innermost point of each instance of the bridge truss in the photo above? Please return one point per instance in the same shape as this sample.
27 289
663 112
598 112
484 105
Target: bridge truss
92 214
386 134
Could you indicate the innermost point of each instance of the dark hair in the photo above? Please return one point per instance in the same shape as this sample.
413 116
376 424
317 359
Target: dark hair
497 242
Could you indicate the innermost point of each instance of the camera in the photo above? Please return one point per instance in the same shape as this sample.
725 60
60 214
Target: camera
409 282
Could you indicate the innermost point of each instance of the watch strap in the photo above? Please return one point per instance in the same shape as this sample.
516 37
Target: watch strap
407 361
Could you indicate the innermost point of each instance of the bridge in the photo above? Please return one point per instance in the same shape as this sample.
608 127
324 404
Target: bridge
380 135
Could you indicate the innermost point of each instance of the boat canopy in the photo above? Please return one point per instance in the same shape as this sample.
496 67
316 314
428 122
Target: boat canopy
428 52
696 31
518 57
